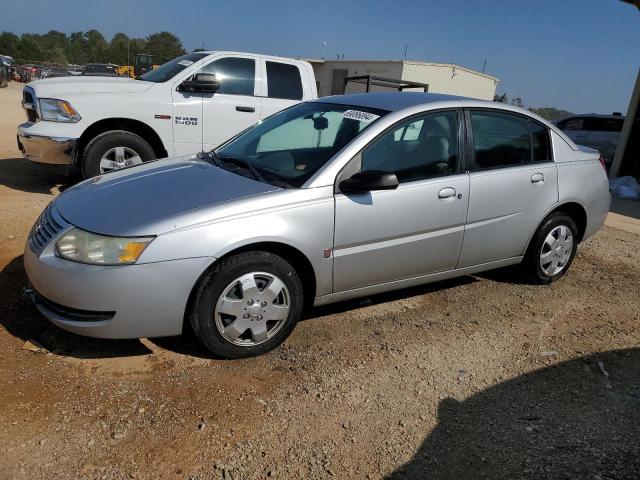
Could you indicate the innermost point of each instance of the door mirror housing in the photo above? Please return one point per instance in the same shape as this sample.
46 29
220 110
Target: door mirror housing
201 83
368 181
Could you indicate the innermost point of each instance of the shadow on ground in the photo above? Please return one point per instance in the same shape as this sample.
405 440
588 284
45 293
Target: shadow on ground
574 420
26 176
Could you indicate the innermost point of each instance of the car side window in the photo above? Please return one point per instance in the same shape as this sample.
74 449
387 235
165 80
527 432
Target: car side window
237 76
499 139
573 124
416 149
541 142
283 81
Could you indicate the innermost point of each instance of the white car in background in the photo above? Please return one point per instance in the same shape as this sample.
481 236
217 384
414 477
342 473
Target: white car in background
190 104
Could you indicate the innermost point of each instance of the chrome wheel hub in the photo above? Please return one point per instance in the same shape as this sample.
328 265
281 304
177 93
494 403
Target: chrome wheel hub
118 157
556 250
252 309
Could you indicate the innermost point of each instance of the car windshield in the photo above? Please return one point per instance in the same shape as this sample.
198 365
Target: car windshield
292 145
168 70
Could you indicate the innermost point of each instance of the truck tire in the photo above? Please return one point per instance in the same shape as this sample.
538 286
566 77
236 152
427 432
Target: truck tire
114 150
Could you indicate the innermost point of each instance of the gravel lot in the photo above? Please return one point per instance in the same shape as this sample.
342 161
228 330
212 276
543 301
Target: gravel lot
481 377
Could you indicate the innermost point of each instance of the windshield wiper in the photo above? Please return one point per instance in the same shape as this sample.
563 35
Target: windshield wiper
211 157
243 164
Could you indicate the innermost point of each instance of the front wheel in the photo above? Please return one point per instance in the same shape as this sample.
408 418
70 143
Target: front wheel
247 305
114 150
552 249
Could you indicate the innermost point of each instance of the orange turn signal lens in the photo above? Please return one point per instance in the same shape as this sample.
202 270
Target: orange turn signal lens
132 251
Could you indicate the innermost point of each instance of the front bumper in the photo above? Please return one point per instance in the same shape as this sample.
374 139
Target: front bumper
45 149
128 301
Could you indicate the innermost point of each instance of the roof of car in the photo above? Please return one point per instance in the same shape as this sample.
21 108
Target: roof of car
391 101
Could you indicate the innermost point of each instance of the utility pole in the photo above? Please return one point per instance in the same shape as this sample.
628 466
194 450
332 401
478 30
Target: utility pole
484 65
405 50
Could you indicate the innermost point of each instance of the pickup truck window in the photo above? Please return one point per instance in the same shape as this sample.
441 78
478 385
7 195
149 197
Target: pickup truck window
237 76
283 81
292 145
168 70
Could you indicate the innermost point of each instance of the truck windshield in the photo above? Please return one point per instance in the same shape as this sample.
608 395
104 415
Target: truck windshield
292 145
168 70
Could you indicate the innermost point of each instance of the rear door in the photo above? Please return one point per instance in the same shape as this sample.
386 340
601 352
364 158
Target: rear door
284 86
416 229
513 182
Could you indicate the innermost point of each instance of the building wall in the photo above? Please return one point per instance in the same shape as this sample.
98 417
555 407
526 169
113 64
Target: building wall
451 79
324 74
442 78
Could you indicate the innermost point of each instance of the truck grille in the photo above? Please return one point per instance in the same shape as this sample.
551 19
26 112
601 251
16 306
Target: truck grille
29 104
43 230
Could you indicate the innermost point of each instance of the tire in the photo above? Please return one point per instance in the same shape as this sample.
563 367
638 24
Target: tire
134 148
556 262
224 298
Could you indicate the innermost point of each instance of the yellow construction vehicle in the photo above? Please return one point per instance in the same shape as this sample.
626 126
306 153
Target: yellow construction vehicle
142 64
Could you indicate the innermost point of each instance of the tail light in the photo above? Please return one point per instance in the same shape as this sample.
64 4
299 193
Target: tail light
602 162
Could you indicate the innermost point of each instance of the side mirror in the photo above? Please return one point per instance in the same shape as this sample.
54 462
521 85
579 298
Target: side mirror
368 181
201 83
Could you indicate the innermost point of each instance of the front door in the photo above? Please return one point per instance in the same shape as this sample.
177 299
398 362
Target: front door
204 121
513 182
417 229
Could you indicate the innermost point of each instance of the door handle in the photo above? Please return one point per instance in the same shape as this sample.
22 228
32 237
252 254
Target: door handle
447 194
240 108
537 178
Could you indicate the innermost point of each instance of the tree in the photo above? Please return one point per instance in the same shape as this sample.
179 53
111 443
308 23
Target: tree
96 45
164 46
119 49
9 44
78 51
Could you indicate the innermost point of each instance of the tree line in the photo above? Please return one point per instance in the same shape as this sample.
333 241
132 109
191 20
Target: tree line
88 47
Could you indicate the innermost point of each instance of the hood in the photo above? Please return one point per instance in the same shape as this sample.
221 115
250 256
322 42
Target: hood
50 87
122 202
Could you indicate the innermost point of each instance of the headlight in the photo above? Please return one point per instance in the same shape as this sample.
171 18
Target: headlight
57 111
86 247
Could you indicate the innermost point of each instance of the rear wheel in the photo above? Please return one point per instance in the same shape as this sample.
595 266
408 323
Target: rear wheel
552 249
247 305
114 150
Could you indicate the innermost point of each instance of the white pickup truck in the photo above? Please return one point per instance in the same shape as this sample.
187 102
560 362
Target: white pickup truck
190 104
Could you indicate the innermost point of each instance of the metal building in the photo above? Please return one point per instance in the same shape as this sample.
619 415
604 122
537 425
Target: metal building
441 77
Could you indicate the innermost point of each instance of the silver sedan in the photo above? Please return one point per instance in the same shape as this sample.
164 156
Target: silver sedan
328 200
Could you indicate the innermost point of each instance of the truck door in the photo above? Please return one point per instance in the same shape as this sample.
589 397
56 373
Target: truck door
203 121
284 86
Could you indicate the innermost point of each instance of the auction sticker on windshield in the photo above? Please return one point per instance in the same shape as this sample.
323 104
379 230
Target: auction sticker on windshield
359 115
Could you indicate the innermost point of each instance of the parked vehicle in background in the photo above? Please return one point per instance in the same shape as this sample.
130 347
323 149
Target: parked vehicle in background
100 70
328 200
29 72
75 70
601 132
54 72
190 104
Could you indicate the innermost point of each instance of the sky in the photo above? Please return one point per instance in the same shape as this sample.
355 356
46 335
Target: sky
578 55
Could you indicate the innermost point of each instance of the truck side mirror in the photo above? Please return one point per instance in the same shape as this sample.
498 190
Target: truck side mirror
201 83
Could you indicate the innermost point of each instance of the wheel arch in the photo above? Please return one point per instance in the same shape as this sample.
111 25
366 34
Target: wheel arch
293 255
134 126
572 208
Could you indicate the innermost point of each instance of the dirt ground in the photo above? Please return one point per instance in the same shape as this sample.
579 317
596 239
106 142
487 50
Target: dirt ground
482 377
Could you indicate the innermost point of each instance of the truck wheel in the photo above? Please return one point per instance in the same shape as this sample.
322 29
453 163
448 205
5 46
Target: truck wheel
114 150
246 305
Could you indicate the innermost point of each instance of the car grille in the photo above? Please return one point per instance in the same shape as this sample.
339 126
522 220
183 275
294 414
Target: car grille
29 104
43 230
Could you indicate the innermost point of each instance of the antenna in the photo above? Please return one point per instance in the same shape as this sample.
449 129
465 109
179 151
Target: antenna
405 50
484 65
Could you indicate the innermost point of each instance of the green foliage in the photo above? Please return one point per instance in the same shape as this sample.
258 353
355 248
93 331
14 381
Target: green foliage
87 47
551 113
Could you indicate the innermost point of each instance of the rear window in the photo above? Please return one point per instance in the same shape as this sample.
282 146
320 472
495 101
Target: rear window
283 81
597 124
